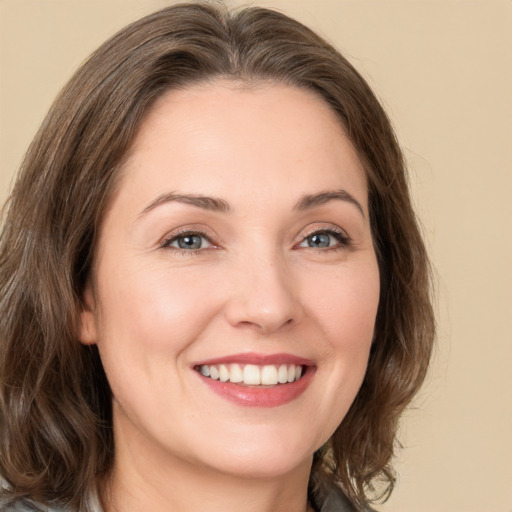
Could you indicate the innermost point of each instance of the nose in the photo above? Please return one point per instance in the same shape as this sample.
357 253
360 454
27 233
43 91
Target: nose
264 296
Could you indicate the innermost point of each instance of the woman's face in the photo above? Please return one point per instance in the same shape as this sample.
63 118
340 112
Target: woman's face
237 246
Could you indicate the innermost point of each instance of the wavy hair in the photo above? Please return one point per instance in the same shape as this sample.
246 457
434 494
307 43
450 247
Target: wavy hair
55 402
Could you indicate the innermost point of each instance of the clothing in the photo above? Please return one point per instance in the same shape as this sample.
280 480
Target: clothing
26 505
336 501
332 501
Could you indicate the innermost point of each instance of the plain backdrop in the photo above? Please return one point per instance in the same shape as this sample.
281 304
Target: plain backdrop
443 70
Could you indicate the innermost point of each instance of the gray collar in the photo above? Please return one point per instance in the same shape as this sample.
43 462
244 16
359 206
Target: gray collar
335 501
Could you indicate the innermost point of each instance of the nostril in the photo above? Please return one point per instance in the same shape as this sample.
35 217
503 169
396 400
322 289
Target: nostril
266 302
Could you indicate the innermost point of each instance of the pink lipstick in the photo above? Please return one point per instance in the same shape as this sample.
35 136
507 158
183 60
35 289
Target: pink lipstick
258 380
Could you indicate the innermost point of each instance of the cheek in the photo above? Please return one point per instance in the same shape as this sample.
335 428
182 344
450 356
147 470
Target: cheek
345 305
149 317
152 307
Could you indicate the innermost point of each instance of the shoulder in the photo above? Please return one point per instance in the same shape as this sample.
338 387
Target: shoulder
22 505
330 498
333 500
10 504
27 505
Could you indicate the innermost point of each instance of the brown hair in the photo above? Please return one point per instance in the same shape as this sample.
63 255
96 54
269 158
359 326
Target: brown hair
55 402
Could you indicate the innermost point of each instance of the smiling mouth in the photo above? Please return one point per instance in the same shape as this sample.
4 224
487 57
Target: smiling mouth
251 374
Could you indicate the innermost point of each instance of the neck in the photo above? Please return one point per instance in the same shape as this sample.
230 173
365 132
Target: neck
168 484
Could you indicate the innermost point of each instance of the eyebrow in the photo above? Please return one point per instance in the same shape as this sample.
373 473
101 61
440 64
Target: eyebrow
310 201
220 205
204 202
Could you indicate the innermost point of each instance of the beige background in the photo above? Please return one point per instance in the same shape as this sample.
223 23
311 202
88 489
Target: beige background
444 71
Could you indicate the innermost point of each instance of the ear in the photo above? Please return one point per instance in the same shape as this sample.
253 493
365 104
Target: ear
88 331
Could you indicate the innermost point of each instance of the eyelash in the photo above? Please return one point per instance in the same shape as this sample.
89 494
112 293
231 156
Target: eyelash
341 237
166 244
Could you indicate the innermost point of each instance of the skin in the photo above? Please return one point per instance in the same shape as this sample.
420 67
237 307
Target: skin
256 285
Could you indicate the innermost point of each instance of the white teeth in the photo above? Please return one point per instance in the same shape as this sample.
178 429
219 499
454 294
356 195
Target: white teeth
269 375
214 373
236 373
223 373
253 375
282 374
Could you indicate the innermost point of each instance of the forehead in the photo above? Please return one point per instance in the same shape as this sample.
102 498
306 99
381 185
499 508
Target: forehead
211 135
223 103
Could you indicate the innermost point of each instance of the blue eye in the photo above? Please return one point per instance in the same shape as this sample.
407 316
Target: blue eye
324 240
188 242
319 240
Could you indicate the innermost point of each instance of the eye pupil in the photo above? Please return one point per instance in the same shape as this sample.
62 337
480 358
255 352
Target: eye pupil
319 240
189 242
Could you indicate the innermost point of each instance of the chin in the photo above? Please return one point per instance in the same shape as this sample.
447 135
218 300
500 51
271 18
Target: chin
254 457
257 468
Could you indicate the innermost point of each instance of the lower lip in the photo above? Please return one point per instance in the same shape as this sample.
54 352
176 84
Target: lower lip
260 396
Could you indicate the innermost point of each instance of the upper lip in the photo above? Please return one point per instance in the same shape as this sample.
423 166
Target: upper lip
257 359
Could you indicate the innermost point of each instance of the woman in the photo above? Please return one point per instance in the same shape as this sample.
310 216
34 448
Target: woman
214 290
